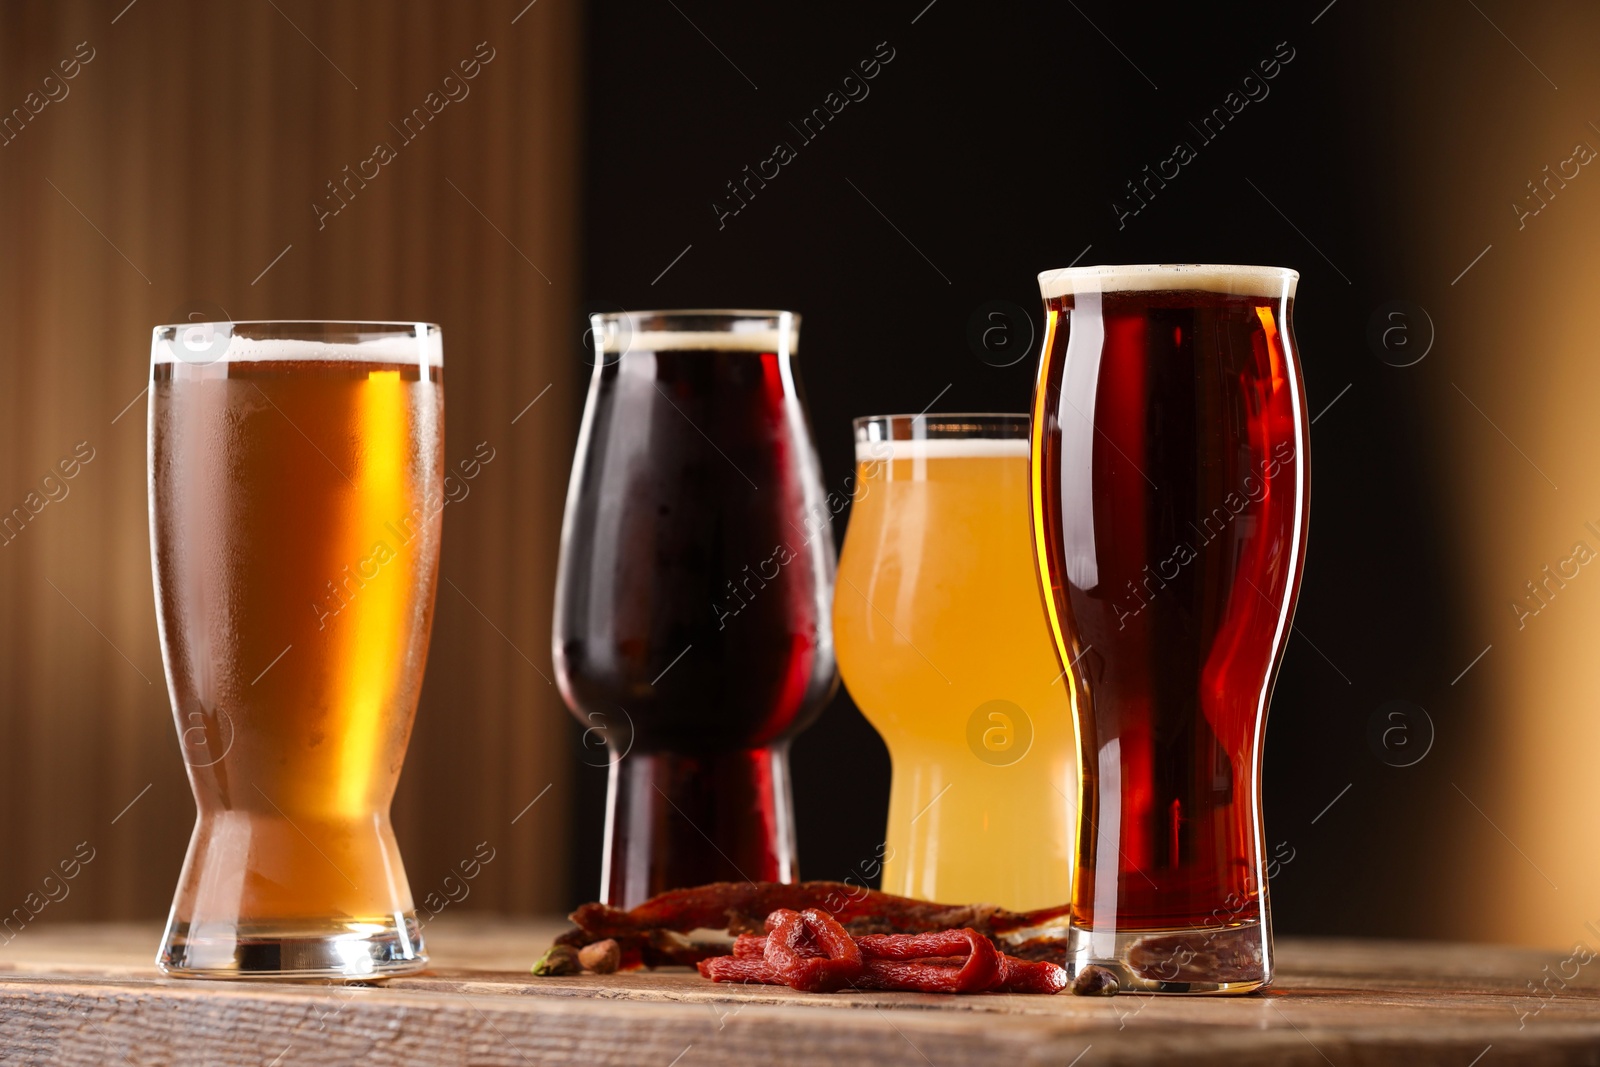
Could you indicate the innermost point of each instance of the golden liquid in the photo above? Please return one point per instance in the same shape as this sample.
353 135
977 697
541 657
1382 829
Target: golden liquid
296 527
937 614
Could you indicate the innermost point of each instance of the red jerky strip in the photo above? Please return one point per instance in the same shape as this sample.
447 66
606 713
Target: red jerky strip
810 952
729 969
740 906
1029 976
749 947
942 976
786 953
896 976
980 972
831 938
916 946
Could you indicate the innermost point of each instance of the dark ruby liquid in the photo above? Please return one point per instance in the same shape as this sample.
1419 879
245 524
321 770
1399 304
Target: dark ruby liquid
1169 497
692 624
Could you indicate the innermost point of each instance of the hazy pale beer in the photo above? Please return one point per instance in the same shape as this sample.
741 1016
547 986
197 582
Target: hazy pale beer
1169 487
295 496
944 646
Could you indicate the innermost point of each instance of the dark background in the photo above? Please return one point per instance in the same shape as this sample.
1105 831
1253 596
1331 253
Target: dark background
991 148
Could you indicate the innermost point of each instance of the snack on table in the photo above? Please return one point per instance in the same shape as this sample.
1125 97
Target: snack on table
559 961
602 957
811 952
654 934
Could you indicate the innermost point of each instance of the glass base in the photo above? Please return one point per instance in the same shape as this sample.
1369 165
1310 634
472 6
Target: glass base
338 950
1221 959
675 820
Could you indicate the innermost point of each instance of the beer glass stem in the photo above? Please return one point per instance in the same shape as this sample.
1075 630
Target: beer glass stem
674 820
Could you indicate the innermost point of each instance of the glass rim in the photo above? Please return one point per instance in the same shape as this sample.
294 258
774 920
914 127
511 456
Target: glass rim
720 330
691 313
1243 279
201 344
996 425
390 325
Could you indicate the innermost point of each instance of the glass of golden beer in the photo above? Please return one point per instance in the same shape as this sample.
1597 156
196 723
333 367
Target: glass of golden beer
296 484
943 643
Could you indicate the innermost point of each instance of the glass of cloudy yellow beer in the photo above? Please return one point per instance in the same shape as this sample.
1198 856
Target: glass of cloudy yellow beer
296 485
943 643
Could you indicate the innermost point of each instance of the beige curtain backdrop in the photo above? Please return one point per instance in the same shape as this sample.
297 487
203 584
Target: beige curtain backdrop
1514 382
163 156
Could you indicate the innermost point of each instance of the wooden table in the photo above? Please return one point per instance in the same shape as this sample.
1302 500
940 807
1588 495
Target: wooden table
90 995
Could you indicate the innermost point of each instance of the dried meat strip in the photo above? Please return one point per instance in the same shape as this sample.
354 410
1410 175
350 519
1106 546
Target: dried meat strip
1029 976
651 934
731 969
917 946
831 937
741 907
980 971
896 976
810 951
749 947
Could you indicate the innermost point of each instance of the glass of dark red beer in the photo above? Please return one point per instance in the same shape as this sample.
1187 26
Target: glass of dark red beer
1169 485
692 631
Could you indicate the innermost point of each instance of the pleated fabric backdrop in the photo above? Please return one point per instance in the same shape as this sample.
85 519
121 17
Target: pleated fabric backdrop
164 157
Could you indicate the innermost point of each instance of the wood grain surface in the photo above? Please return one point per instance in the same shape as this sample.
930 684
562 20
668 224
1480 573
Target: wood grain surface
91 995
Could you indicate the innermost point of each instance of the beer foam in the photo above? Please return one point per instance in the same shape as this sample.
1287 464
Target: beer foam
623 341
1270 282
942 448
223 346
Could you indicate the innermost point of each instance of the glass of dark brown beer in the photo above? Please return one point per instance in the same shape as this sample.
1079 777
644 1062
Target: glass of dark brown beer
1169 488
296 485
692 618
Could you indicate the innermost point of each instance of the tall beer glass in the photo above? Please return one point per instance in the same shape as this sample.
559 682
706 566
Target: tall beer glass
1169 486
944 647
691 619
295 495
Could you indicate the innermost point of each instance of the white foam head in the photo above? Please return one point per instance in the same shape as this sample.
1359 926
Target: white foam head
750 331
1269 282
203 343
942 448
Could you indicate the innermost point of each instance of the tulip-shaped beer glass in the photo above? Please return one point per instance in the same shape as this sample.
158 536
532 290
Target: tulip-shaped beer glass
691 631
1169 489
295 495
944 647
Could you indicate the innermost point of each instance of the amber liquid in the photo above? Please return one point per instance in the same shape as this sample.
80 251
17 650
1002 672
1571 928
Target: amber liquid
295 523
1169 493
938 622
